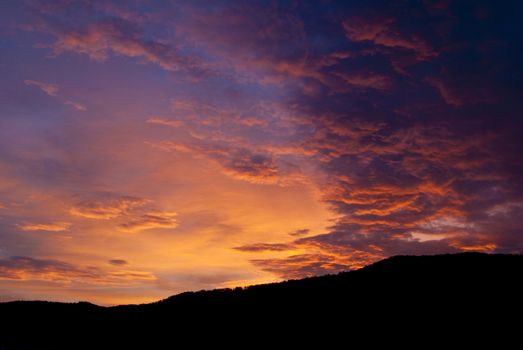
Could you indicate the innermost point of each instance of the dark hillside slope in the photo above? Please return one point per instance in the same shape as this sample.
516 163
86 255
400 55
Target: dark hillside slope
434 295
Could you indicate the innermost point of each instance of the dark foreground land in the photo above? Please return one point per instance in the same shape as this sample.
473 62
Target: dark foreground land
423 300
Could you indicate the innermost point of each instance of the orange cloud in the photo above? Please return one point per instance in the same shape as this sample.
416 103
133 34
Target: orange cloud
488 247
32 269
106 207
150 220
313 264
52 227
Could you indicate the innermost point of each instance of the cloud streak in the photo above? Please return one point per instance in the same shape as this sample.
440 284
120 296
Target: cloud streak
122 37
51 227
106 206
28 269
148 221
49 89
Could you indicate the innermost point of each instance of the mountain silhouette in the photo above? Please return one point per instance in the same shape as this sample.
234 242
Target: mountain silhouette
468 297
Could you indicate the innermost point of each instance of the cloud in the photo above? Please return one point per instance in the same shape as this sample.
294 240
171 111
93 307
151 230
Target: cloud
300 232
77 106
250 167
133 214
237 162
169 122
118 262
51 227
121 37
367 81
52 90
405 117
105 206
32 269
457 93
406 190
302 265
49 89
383 33
263 247
150 220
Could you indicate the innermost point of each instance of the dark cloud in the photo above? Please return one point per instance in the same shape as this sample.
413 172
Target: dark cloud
410 111
300 232
28 268
149 220
383 33
237 162
118 262
15 267
418 146
251 167
263 247
105 205
299 266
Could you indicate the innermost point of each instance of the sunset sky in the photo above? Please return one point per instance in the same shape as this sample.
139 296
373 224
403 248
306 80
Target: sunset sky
153 147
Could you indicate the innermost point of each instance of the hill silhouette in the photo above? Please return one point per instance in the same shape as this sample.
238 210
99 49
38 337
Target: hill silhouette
459 296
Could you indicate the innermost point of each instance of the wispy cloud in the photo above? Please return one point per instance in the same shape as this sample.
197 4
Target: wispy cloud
132 214
150 220
300 232
52 90
263 247
237 162
382 32
25 268
367 80
175 123
122 37
105 206
118 262
49 89
51 227
77 106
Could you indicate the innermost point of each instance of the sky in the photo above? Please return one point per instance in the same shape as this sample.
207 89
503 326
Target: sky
153 147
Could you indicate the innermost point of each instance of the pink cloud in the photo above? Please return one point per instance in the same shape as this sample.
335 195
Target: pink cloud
49 89
367 80
77 106
175 123
100 39
382 32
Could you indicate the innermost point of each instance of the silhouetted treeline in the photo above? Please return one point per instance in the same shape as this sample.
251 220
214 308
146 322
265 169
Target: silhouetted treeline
469 297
